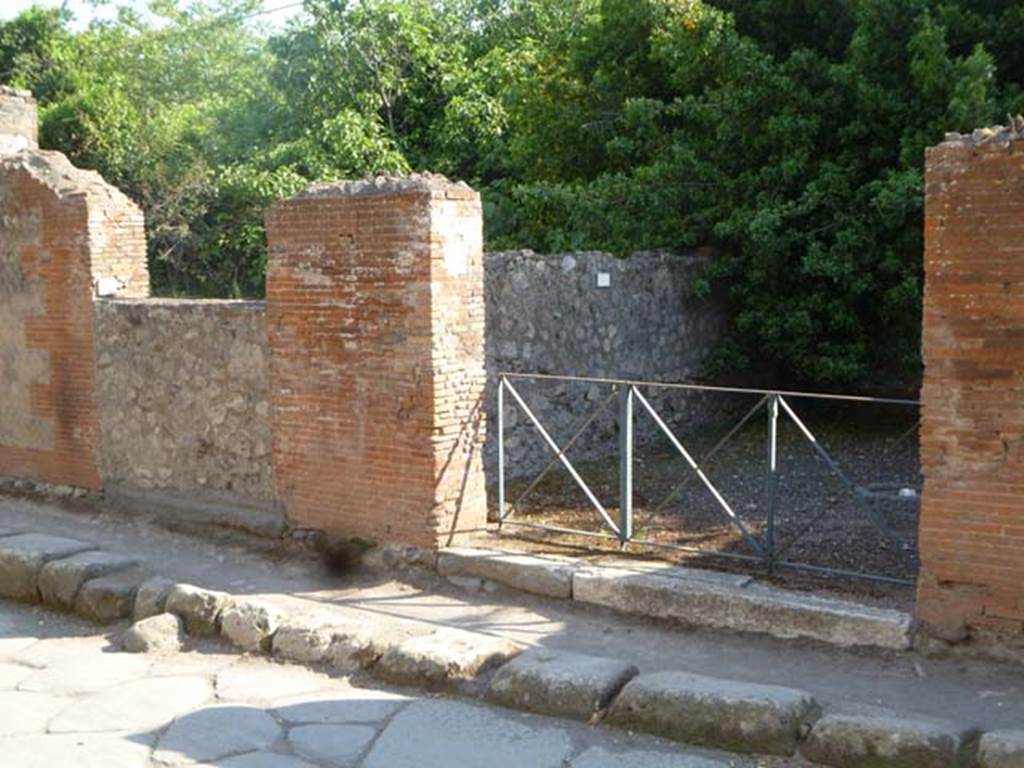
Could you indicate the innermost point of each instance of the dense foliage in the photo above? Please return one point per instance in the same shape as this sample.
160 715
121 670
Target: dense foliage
788 134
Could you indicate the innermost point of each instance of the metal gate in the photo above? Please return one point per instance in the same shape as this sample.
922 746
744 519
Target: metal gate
765 546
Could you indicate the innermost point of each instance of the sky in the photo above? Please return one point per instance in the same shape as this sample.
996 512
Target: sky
84 11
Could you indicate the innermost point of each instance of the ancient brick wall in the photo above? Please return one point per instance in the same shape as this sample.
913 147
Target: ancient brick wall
375 319
61 230
972 430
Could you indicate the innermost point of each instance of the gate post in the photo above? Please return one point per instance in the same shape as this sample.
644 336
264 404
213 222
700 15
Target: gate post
376 319
972 417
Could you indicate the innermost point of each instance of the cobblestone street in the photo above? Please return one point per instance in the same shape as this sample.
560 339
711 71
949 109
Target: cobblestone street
69 698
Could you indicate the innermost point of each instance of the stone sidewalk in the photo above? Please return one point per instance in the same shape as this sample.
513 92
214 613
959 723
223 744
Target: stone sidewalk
977 694
69 700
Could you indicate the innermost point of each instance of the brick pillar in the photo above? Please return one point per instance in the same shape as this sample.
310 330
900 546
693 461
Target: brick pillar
376 318
972 428
62 231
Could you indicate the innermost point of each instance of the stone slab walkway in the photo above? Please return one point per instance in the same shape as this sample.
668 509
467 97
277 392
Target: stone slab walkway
69 700
986 695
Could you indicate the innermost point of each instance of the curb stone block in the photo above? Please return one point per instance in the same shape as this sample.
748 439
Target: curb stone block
559 683
401 556
22 556
307 645
109 598
548 576
250 624
443 657
354 649
151 597
882 739
1001 749
60 580
707 711
163 633
199 608
716 602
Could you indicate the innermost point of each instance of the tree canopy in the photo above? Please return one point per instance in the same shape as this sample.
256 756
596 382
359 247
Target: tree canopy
787 134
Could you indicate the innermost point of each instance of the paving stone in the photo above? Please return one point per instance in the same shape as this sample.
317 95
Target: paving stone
472 736
109 598
707 711
262 760
71 676
541 575
703 600
12 674
888 738
22 557
559 683
306 645
250 624
1001 749
444 656
60 580
163 633
269 682
600 757
151 597
25 713
334 745
215 732
354 648
355 705
200 608
10 646
76 751
57 650
136 706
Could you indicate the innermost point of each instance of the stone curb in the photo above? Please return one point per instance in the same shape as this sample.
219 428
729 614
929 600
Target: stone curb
711 712
886 738
559 683
692 596
1001 749
727 714
723 601
547 576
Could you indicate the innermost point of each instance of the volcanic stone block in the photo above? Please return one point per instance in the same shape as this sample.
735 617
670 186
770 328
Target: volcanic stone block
22 557
60 580
559 683
882 739
707 711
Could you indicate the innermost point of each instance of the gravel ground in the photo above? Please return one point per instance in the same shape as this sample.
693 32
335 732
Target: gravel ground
819 521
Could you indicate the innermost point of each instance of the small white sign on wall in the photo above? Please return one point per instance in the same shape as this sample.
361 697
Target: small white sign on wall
107 286
604 279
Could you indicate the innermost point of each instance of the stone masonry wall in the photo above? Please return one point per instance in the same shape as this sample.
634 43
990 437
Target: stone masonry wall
19 122
972 429
375 316
183 389
549 314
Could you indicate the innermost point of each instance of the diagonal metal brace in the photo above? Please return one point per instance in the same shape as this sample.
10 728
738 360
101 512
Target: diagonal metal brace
561 457
564 451
832 464
755 545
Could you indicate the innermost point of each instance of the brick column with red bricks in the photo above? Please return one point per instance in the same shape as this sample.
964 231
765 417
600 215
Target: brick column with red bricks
376 319
972 428
63 233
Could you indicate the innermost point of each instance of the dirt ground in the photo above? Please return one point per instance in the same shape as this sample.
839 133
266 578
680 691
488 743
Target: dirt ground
820 522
